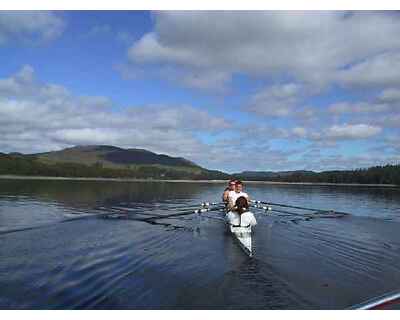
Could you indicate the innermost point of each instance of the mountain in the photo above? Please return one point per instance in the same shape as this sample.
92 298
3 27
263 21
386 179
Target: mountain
106 161
16 154
112 157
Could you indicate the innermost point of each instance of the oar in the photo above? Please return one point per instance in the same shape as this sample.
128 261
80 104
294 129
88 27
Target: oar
315 214
293 213
163 206
189 208
185 213
157 207
300 208
117 210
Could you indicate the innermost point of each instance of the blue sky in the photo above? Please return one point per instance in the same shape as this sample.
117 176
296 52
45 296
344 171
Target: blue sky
230 91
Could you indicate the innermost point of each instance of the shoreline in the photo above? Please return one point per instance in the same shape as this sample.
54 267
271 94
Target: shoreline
19 177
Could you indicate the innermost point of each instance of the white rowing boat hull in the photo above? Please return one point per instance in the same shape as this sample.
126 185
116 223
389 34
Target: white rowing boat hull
243 236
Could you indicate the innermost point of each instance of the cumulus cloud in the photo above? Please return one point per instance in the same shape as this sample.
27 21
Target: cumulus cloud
276 100
358 107
309 115
352 131
299 132
383 110
205 80
260 135
342 162
329 135
309 46
20 84
390 95
248 154
31 26
380 70
36 116
24 87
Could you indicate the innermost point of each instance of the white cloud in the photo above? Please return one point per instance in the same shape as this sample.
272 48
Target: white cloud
149 49
381 70
352 131
20 84
24 85
260 135
233 155
309 115
382 111
309 46
208 80
342 162
276 100
358 107
31 26
37 117
300 132
202 79
390 95
329 135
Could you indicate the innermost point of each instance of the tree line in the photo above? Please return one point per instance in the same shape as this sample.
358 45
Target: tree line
30 166
388 174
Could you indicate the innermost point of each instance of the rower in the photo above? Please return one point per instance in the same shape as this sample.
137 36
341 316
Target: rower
233 195
238 204
231 187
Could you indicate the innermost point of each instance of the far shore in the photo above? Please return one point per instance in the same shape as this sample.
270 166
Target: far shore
19 177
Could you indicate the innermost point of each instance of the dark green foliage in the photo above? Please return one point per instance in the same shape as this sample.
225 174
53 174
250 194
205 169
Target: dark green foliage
389 174
110 156
31 166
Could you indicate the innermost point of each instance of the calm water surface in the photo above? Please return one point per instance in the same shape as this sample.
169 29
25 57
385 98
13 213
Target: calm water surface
84 245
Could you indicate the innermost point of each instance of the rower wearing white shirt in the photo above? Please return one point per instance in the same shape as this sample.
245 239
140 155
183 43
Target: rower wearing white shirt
231 187
235 216
235 194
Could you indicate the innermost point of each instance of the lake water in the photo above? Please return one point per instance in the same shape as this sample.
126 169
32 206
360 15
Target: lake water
84 245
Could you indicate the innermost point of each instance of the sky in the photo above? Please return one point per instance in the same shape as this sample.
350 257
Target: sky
231 91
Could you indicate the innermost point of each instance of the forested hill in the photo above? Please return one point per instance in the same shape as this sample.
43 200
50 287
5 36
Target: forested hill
114 162
389 174
112 157
107 162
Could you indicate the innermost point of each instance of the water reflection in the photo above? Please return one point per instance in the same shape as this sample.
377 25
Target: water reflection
91 193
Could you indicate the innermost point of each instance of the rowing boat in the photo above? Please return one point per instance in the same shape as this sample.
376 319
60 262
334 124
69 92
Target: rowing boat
241 233
243 237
